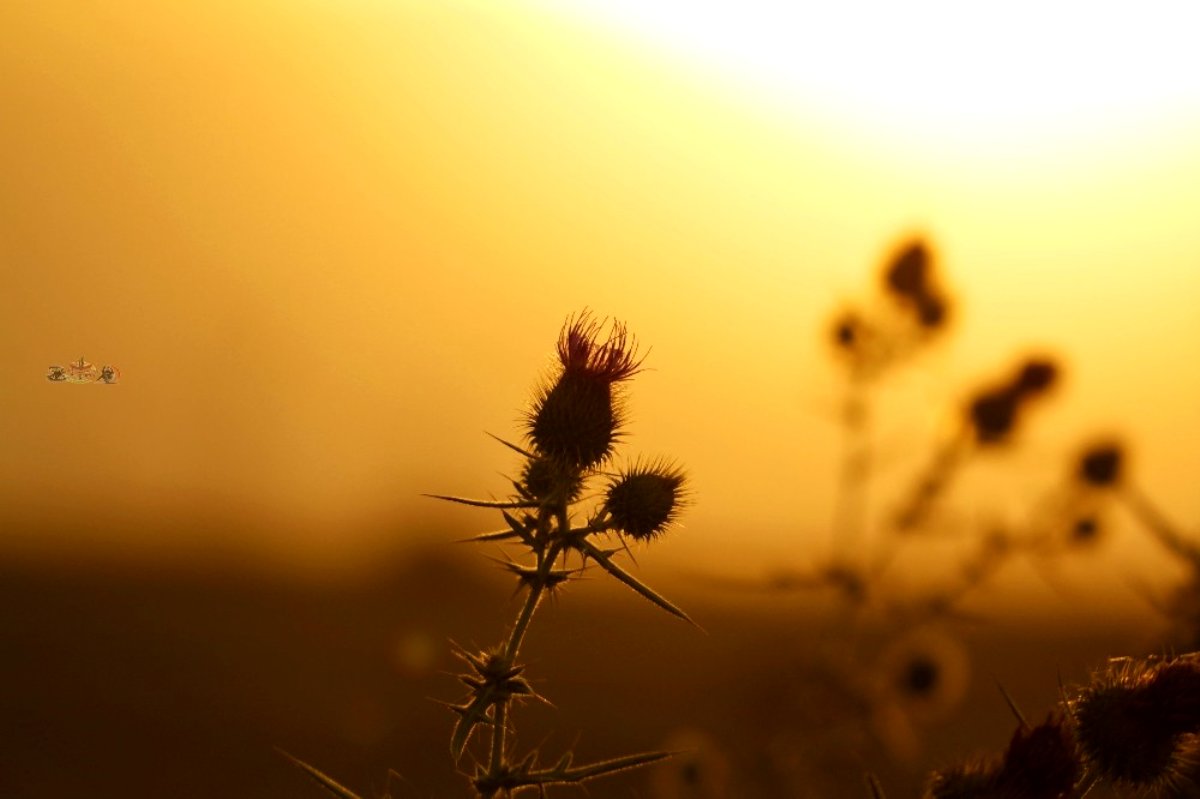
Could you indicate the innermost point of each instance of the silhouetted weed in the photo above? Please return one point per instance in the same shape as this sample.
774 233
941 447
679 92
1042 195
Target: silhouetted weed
572 429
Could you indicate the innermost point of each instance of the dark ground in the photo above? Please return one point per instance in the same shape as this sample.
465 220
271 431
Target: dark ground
182 684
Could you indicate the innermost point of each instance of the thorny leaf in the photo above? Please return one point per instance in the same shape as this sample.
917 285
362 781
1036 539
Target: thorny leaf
874 786
484 503
499 535
325 781
512 446
496 680
469 716
530 575
604 559
525 776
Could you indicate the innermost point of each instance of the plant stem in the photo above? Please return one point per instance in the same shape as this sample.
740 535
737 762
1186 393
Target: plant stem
516 637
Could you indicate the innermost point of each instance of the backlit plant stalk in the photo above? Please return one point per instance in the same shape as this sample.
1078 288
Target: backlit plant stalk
572 428
571 431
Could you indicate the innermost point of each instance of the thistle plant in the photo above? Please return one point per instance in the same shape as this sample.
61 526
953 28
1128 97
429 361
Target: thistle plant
1132 728
571 431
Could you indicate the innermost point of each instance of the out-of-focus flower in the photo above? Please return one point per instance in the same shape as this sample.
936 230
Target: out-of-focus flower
1100 465
925 673
993 413
1136 722
700 770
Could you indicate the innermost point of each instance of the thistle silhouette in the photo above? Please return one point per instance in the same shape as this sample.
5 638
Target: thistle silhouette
571 430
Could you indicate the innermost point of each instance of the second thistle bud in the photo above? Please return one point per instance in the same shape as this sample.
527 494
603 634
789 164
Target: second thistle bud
644 501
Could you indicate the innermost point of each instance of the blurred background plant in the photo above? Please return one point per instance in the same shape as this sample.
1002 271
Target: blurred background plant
890 663
317 236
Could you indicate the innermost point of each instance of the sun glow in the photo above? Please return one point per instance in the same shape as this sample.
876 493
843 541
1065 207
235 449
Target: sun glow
940 71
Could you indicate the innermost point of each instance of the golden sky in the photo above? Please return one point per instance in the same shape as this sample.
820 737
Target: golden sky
329 244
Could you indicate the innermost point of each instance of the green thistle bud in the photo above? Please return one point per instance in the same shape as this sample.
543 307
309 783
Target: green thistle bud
577 418
644 501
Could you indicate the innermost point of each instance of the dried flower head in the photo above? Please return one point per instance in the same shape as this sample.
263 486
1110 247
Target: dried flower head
907 275
1136 722
645 500
1036 376
1100 465
848 331
576 418
932 311
926 673
1041 762
993 415
1085 530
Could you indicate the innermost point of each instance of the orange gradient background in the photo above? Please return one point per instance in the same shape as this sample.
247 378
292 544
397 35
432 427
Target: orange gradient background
330 244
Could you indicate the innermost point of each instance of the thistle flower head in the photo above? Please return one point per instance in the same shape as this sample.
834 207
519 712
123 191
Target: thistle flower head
1136 723
1085 530
581 351
576 418
645 500
1041 761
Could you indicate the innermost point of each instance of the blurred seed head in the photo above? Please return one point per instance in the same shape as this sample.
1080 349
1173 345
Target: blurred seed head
1036 376
932 311
1085 530
848 331
926 674
645 500
1100 465
907 274
993 413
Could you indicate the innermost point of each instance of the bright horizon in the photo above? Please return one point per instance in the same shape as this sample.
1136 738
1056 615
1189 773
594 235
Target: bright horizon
330 245
937 73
